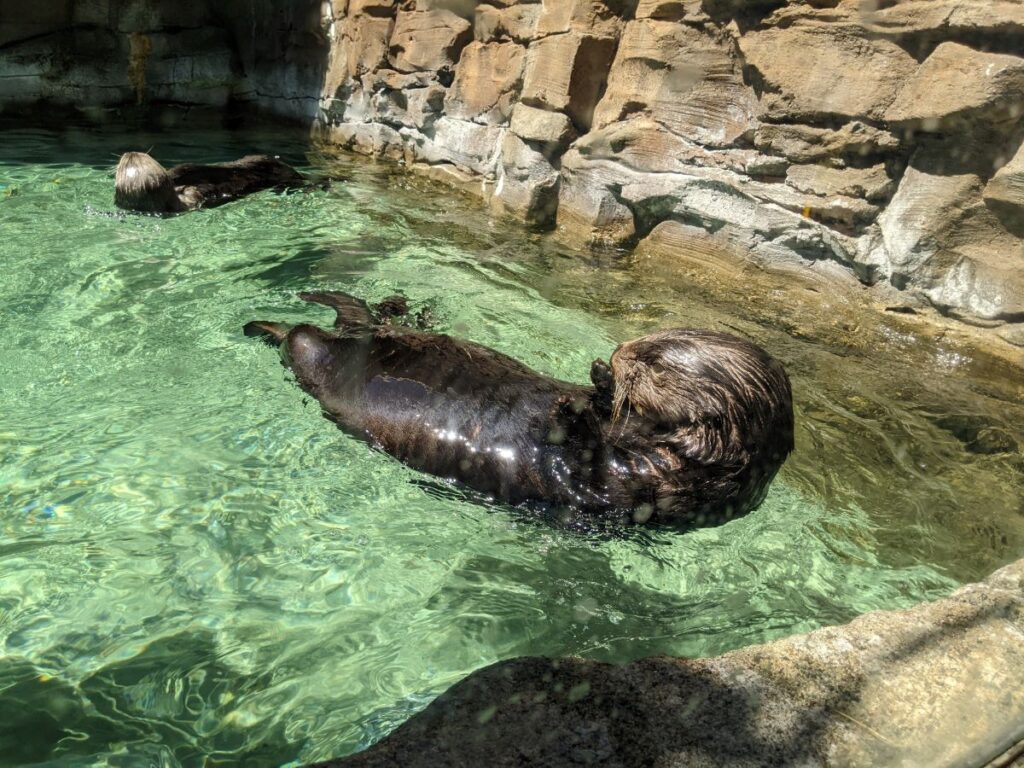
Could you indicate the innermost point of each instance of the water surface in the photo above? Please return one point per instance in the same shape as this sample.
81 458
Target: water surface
198 569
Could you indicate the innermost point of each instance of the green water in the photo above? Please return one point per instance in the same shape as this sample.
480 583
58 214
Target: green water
197 569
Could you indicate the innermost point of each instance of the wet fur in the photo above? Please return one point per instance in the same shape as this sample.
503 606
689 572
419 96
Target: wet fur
684 426
142 184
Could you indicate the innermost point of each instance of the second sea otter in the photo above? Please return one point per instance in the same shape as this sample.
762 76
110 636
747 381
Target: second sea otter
142 184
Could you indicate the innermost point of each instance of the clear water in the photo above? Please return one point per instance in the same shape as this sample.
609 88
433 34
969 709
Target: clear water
197 569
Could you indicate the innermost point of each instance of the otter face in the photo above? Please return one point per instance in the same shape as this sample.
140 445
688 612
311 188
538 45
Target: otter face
142 184
716 393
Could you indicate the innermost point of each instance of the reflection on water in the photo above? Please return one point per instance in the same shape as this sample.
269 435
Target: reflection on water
194 564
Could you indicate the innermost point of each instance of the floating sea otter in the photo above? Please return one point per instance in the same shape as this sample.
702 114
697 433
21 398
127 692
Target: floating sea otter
684 426
142 184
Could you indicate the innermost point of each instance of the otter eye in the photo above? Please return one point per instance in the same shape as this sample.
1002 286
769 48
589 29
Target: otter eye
657 368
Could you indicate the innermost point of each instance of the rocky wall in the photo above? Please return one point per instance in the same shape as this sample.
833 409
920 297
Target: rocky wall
882 135
885 135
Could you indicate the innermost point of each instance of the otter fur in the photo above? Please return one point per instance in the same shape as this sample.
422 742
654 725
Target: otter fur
142 184
683 426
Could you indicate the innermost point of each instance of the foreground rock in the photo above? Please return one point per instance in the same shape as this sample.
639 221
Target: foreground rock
939 684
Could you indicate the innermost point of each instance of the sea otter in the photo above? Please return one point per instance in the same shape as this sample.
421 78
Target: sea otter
142 184
683 426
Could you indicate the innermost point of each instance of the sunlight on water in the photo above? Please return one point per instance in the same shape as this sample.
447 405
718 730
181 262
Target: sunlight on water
194 564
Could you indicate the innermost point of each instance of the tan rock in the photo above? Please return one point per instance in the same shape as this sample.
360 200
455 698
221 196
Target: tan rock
807 144
930 20
681 77
957 86
567 73
593 17
372 7
670 10
870 183
486 72
471 146
822 71
540 126
725 250
415 107
367 138
427 40
588 210
517 23
1004 194
363 48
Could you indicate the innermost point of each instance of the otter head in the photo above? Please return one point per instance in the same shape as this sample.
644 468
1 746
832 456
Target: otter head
716 410
142 184
306 350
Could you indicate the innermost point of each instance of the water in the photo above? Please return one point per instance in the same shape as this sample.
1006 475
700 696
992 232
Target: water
197 569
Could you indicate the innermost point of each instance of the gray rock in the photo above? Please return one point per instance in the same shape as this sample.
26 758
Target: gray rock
939 684
1004 194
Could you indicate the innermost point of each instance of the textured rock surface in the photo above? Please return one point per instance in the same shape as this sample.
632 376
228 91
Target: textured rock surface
882 136
795 131
939 684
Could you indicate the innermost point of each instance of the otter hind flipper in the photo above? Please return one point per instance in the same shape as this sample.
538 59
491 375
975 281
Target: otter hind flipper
271 333
351 311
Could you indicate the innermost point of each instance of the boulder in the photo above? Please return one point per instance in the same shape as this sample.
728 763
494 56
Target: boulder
1004 194
589 210
808 144
819 72
958 88
681 77
919 25
487 82
943 243
517 23
428 40
550 130
528 185
669 10
601 18
471 146
872 184
885 689
567 73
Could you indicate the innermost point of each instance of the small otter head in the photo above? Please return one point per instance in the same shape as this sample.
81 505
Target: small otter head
306 351
717 411
142 184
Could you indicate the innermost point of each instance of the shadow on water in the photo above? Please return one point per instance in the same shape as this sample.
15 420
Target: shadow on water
161 699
